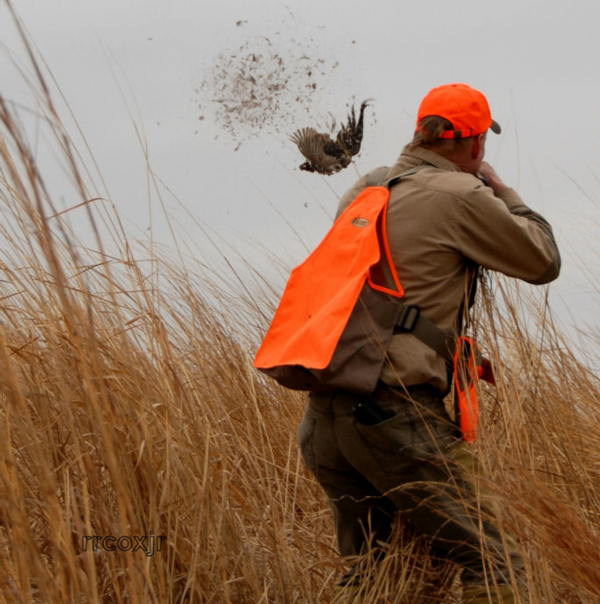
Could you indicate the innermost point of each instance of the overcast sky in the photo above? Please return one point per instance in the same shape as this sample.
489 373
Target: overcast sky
172 67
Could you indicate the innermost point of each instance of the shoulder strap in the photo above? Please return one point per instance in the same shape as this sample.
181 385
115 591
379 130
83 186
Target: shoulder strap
410 319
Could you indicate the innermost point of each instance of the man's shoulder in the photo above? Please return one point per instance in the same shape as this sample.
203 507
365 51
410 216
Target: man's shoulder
375 177
371 178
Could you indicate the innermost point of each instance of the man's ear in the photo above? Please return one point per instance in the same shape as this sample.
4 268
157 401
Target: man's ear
476 146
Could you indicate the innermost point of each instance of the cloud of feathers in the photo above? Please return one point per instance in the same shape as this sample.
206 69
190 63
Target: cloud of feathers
265 86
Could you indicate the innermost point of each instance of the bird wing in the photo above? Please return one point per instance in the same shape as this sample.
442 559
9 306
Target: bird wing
318 148
350 135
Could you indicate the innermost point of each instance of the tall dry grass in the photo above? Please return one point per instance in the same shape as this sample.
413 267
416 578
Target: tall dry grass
129 407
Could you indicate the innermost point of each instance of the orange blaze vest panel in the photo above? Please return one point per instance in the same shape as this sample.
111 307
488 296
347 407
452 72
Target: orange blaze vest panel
334 322
468 369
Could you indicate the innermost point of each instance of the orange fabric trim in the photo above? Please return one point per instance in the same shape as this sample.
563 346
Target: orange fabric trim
385 290
388 254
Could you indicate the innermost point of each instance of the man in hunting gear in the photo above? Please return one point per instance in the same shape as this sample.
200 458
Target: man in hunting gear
396 449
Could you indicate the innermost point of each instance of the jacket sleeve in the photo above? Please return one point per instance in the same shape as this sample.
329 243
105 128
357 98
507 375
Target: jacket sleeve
502 234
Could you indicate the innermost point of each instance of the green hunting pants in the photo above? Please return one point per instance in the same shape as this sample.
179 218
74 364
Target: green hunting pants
404 463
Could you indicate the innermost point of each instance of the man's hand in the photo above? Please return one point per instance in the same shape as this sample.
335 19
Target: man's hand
494 181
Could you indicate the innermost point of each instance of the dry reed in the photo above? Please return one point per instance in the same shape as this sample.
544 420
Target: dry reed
129 408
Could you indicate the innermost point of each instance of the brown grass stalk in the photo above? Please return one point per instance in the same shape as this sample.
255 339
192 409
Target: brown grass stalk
129 407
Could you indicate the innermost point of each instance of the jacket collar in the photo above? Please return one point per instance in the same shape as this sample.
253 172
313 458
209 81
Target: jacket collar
412 157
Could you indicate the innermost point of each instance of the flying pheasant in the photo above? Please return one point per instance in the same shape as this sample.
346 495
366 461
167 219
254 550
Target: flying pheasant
325 155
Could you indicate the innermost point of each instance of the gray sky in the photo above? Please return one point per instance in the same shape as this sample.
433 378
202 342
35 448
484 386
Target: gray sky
161 64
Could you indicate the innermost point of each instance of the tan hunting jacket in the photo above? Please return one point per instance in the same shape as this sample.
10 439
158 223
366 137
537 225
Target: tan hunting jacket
443 224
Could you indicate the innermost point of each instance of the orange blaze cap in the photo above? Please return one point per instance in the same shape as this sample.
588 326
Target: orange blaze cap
464 107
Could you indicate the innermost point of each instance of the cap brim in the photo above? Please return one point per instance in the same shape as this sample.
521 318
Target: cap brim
495 127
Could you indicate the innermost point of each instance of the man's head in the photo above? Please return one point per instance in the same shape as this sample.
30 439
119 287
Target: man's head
453 121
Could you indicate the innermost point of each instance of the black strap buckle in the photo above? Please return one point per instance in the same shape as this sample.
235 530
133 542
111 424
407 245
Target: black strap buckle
408 318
